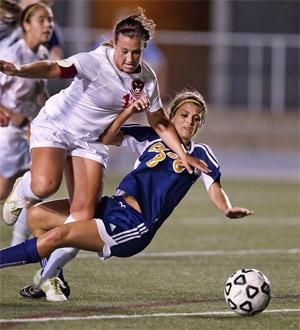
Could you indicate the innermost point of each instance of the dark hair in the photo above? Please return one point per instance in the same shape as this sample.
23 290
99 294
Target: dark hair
13 10
188 96
29 10
137 25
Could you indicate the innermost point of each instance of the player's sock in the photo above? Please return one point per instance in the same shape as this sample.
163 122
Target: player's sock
58 258
24 190
20 254
21 231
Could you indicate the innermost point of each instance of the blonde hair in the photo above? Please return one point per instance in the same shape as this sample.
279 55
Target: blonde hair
29 10
188 96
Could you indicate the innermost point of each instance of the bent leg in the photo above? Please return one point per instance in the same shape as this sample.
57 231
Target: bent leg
46 170
80 234
45 216
85 183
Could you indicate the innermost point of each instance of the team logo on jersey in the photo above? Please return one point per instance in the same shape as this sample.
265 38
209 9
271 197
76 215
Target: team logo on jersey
137 87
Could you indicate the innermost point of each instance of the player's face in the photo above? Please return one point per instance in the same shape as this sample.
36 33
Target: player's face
187 120
40 26
128 52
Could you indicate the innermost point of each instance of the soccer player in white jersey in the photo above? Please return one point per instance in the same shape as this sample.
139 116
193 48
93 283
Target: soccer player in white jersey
10 13
65 134
124 224
21 99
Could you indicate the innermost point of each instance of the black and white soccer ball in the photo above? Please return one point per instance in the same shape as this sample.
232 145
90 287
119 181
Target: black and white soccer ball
247 292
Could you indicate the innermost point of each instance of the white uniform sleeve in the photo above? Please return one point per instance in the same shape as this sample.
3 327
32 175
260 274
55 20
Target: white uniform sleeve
87 66
207 180
152 89
134 145
155 99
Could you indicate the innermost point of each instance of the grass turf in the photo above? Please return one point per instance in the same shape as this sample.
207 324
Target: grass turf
178 284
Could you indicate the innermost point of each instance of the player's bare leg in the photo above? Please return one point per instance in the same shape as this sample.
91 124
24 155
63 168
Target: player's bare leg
82 234
42 181
84 179
47 170
45 216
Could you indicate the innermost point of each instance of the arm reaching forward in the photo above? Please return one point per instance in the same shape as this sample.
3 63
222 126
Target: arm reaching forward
222 202
112 135
39 69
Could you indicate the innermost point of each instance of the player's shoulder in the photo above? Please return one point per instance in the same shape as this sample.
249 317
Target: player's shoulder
147 70
14 52
140 132
204 151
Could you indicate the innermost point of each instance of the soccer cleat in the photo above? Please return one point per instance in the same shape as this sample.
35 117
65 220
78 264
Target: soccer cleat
32 291
13 206
52 289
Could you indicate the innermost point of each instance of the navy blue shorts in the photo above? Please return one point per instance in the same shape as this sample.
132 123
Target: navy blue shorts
124 225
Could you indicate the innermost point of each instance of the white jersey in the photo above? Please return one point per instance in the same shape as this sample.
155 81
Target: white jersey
19 94
98 93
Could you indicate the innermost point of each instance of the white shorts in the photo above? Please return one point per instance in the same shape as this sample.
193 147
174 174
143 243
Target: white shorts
44 133
108 241
14 151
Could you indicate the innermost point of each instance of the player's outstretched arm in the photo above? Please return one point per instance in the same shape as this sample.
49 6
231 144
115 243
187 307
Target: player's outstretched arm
112 135
39 69
222 202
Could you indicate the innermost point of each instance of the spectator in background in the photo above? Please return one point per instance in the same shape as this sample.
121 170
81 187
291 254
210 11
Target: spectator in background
55 45
10 13
20 101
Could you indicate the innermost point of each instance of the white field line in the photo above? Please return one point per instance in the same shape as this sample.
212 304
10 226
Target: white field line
137 316
84 254
249 221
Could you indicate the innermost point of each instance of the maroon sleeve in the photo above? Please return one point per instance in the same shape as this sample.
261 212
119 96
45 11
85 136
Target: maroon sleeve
69 72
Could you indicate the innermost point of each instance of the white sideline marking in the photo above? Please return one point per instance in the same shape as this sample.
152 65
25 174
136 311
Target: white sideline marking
250 221
136 316
85 254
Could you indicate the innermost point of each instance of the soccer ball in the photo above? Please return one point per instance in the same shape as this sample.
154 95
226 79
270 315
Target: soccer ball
247 292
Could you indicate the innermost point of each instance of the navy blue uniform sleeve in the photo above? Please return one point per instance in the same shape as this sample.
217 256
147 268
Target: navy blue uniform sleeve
139 132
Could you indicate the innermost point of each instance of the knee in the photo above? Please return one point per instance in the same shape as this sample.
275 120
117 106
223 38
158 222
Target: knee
34 220
43 186
55 237
58 238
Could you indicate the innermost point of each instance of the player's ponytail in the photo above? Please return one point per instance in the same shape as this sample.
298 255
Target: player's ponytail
137 25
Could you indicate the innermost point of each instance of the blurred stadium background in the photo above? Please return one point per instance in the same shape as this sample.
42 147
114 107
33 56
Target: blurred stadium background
243 56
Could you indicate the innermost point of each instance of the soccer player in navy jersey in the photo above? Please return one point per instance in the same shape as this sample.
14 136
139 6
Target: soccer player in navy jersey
124 224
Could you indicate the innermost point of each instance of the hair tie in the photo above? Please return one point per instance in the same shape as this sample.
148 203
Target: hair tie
30 10
127 28
186 101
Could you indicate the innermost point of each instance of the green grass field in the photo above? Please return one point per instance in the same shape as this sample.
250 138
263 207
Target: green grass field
177 282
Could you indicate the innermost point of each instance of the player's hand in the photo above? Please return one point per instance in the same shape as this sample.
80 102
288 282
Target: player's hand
237 212
4 118
190 162
8 68
139 105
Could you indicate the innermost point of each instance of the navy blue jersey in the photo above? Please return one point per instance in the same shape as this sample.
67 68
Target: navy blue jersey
158 181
